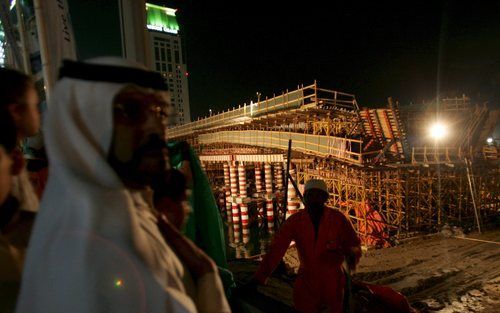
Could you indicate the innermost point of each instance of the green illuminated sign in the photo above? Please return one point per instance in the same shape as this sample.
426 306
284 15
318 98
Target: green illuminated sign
161 19
2 47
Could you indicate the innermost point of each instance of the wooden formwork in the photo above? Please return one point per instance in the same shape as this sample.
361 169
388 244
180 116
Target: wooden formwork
441 194
407 199
354 189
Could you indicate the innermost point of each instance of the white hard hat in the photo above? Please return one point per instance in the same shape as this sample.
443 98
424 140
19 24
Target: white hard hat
316 184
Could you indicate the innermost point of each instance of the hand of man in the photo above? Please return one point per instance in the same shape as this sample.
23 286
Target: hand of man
185 150
197 262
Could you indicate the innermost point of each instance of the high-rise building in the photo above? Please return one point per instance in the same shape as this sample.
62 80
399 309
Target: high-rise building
167 56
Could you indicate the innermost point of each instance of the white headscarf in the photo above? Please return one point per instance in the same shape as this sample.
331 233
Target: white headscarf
90 250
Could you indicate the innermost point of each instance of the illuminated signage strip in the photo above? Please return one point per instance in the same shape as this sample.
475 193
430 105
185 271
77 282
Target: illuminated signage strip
168 11
161 19
2 50
162 29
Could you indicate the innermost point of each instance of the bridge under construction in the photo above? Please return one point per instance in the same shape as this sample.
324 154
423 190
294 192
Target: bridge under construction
382 168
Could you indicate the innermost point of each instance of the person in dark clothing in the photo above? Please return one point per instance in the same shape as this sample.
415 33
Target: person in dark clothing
7 144
19 100
10 257
8 140
19 97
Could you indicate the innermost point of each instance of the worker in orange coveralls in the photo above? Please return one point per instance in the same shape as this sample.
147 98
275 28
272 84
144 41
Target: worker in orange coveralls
325 239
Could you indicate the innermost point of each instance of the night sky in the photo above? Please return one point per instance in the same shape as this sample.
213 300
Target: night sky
373 50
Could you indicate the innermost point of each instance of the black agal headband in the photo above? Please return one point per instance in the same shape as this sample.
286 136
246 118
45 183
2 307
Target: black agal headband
112 74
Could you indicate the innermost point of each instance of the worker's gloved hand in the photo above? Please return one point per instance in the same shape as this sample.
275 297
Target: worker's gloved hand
352 258
185 150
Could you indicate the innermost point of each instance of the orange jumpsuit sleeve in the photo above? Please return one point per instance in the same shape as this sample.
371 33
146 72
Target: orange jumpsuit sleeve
350 239
276 251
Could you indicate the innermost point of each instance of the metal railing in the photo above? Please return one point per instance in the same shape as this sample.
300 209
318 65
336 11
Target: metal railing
245 113
437 155
303 96
348 150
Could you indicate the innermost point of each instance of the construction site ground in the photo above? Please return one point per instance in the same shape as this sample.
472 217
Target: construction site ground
437 273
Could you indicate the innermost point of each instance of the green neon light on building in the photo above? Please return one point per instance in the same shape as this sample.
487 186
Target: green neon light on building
2 47
161 19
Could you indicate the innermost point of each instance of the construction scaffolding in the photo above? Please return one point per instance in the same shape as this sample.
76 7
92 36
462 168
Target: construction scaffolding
380 169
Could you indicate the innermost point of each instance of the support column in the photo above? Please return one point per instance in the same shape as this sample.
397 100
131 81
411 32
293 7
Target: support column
238 251
268 177
292 203
260 212
279 177
221 199
258 177
236 222
233 180
244 223
246 253
234 206
301 189
270 214
230 229
269 198
263 245
242 180
227 190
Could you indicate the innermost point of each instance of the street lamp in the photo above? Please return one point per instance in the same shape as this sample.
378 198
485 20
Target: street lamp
438 131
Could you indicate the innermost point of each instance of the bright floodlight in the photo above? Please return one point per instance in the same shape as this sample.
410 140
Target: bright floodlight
438 131
489 140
